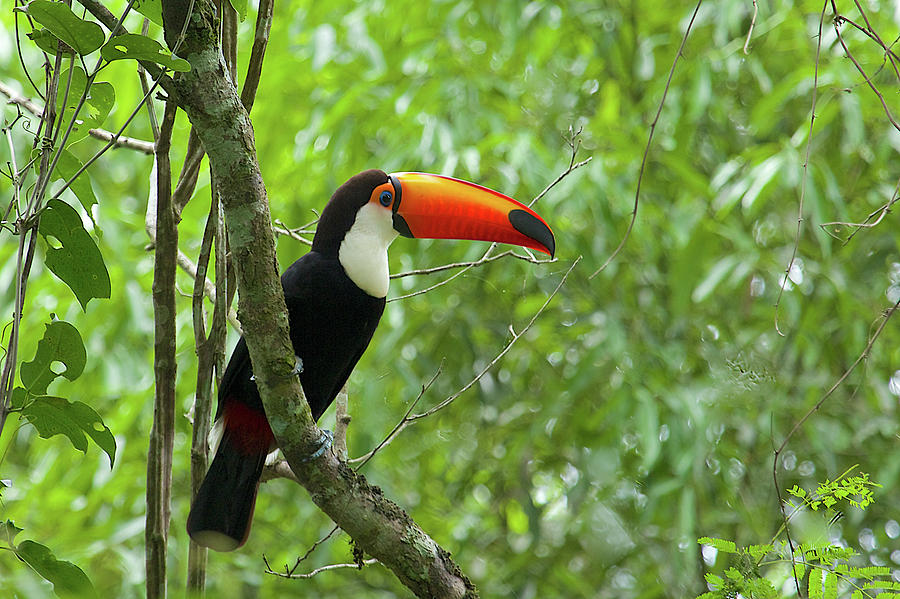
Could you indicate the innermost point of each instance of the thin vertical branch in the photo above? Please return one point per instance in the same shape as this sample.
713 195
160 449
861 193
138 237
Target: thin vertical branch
207 348
228 40
805 166
26 227
257 52
162 435
341 422
662 102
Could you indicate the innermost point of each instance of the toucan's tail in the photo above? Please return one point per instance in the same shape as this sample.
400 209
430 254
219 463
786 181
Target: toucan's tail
223 509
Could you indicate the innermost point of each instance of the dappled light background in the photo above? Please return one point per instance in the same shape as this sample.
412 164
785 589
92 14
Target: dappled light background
642 409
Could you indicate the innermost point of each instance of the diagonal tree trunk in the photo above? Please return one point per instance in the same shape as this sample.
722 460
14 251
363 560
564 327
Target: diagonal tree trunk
377 525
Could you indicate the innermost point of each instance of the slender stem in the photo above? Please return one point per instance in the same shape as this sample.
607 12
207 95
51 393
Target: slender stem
410 418
162 435
662 102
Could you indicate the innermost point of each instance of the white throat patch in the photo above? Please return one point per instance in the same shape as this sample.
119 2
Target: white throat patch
363 252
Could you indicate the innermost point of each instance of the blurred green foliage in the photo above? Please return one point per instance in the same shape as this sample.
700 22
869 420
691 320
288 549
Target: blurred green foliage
641 411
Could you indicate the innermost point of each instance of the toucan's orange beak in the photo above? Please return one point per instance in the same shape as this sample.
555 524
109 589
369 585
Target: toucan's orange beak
438 207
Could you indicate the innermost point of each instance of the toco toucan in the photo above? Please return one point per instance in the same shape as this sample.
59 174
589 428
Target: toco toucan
335 296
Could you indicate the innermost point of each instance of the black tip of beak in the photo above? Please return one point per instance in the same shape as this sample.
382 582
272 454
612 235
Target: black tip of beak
402 227
528 225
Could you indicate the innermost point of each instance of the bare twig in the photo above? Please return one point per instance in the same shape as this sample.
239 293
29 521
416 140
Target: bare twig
750 29
290 571
662 101
479 262
805 167
190 171
269 570
410 418
364 459
121 141
295 233
868 223
838 20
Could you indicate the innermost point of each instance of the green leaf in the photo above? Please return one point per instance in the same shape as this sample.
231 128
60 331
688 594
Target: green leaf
72 255
240 6
82 36
815 583
45 40
100 99
57 416
719 544
830 591
61 343
8 532
152 9
18 398
66 168
140 47
797 491
68 579
758 551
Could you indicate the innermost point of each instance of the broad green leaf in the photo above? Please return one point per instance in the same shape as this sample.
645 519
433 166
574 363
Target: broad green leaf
140 47
45 40
92 113
240 6
57 416
68 579
72 254
8 532
61 343
82 36
152 9
99 102
18 398
67 166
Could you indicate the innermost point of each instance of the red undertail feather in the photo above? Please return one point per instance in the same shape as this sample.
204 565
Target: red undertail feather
223 509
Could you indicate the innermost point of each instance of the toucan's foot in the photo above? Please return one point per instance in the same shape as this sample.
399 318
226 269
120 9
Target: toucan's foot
295 371
298 366
326 440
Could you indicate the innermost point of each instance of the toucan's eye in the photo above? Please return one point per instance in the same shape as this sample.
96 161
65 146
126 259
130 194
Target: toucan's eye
386 198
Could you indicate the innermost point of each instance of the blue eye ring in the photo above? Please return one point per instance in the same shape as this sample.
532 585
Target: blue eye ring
386 198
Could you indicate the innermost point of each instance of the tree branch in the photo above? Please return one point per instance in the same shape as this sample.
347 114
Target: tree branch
377 525
119 141
162 436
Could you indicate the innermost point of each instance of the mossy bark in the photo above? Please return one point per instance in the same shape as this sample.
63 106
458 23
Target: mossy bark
376 524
